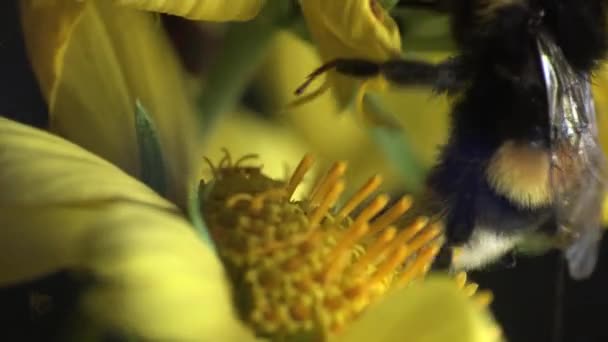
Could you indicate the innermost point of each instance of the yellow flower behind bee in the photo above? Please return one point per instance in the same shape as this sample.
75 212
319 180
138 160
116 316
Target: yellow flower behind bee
65 209
351 29
156 279
310 267
210 10
92 71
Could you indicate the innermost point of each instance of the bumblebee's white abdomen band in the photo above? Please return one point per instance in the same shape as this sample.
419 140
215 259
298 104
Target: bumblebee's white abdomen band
484 247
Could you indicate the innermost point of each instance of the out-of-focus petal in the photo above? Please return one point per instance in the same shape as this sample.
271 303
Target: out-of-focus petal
62 208
433 310
242 134
330 136
600 93
157 279
92 72
38 169
351 29
211 10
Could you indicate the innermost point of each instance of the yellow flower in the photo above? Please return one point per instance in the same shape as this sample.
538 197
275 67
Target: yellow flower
210 10
63 208
92 71
351 29
305 266
153 276
156 279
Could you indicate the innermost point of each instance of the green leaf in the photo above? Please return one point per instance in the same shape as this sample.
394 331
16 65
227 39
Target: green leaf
150 154
245 46
389 4
194 213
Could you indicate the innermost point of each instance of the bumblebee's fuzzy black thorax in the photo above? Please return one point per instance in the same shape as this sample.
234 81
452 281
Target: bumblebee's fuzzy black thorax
493 178
501 28
523 155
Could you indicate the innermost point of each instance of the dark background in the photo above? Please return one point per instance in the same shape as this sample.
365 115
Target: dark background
534 300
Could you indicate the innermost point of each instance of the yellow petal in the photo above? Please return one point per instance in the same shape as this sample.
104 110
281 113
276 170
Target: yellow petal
92 72
349 140
242 133
211 10
45 179
156 278
62 208
38 169
351 29
600 92
433 310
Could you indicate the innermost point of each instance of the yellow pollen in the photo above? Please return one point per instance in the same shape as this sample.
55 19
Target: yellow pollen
461 280
336 257
367 189
471 289
327 202
299 268
298 175
374 251
411 231
372 209
232 201
394 213
325 183
391 263
420 265
483 298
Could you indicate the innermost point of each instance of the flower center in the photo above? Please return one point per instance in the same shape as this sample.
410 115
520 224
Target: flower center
309 266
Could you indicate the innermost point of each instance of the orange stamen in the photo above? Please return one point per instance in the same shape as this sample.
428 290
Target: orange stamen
370 186
419 266
378 247
392 214
298 174
325 184
372 209
328 202
336 257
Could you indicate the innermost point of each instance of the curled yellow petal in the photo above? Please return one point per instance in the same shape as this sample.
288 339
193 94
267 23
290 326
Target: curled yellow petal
92 73
211 10
351 29
62 208
434 310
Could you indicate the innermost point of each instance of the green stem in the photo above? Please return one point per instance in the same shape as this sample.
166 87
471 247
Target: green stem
245 48
388 4
398 150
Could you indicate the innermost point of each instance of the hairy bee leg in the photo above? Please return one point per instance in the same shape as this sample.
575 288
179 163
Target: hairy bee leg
359 68
440 6
448 76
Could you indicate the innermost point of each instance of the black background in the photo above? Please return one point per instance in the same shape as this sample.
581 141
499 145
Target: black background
534 301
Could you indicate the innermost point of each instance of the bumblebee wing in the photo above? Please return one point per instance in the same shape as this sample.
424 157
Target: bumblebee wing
578 165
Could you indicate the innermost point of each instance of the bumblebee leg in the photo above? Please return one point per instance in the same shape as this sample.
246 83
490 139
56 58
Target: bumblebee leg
401 72
359 68
440 6
448 76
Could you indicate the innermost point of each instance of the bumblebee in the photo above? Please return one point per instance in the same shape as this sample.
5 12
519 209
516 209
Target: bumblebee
523 157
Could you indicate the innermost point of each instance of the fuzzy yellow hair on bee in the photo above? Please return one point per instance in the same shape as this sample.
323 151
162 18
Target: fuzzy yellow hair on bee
521 173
